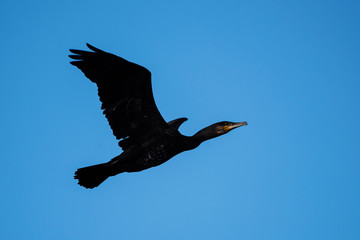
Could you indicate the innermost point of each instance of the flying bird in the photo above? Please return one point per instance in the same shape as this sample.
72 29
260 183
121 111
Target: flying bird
146 139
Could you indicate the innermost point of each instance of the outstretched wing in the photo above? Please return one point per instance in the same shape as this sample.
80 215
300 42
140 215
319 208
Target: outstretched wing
125 91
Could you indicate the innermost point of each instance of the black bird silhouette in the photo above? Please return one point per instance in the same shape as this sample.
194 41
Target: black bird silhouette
146 138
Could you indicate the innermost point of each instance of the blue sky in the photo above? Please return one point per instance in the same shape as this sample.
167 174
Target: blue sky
289 68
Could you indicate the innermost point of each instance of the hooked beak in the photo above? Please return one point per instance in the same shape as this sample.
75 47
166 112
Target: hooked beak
234 125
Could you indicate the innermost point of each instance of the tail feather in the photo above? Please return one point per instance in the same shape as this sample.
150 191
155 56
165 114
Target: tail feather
92 176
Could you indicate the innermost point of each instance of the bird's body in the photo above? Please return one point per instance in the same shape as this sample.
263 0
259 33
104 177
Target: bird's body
152 153
147 140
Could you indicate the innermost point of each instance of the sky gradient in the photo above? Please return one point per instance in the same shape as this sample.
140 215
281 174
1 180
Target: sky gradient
291 69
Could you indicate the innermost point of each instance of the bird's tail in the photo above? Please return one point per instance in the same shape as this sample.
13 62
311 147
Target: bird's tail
92 176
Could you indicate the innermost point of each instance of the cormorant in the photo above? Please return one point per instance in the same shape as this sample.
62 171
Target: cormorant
146 139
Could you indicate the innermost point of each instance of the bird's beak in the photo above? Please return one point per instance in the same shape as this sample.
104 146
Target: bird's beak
234 125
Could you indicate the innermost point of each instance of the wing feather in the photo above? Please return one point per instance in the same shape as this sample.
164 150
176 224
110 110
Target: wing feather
126 94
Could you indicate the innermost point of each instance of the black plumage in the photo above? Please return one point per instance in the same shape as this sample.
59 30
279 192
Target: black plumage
146 138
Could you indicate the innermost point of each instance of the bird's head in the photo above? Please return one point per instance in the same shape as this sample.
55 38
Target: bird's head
224 127
217 129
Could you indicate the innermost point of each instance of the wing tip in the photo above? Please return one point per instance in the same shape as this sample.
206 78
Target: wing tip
75 63
75 56
91 47
74 51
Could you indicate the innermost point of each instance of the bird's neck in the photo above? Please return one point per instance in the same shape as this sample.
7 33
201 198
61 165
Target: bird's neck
204 134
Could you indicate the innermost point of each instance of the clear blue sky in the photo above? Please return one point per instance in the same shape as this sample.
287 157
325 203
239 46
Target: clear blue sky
289 68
